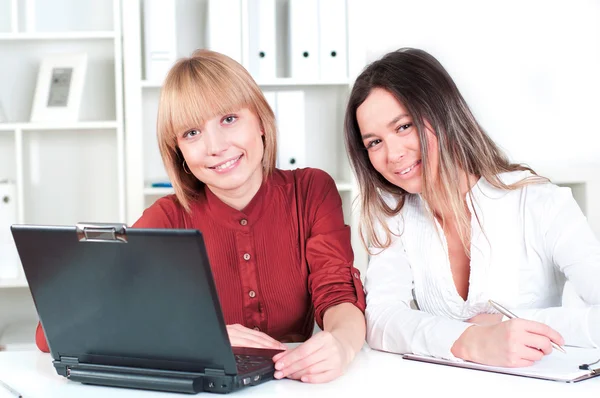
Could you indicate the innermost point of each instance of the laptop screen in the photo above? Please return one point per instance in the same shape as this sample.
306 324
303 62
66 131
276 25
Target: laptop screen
146 301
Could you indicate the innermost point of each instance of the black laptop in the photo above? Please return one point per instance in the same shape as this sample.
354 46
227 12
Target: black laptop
134 308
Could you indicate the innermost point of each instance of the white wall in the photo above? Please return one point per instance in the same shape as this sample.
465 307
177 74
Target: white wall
529 69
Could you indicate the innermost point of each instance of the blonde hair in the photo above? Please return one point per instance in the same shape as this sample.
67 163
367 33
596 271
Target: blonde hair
420 83
206 85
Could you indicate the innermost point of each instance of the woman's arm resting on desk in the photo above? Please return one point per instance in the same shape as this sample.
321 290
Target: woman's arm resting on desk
569 244
325 355
335 287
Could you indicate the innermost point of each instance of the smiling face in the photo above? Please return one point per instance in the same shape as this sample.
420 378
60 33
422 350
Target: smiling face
226 153
392 141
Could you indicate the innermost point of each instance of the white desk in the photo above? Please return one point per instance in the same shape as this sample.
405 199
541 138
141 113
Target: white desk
373 373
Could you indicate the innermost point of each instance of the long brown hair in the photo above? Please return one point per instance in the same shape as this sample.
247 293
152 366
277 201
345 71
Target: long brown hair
196 89
420 83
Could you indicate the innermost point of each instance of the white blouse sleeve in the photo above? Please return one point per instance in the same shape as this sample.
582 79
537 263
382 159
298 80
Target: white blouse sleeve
392 325
570 245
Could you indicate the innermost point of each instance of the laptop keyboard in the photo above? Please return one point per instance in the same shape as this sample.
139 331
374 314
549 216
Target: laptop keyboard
250 363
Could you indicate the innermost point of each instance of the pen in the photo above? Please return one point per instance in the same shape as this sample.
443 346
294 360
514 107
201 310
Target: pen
510 315
10 389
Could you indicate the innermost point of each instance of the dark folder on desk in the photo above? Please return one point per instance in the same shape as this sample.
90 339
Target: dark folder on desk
556 366
134 308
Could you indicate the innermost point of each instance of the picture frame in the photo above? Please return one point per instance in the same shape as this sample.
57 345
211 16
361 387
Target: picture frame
59 88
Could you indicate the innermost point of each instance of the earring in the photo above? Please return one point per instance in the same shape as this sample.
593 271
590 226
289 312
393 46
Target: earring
186 171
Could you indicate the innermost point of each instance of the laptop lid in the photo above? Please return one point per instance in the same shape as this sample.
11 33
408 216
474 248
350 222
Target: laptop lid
126 297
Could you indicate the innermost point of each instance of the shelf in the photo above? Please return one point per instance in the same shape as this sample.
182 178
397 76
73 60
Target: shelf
278 82
97 125
150 191
81 35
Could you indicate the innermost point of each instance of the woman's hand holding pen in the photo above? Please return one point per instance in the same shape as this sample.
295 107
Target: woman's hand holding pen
241 336
514 343
486 319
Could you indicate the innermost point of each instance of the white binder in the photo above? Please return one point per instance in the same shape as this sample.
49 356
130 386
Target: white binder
271 97
304 39
224 28
291 134
160 38
333 52
9 258
261 39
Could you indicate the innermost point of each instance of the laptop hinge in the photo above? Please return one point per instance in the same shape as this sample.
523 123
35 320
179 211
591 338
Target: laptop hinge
69 361
64 364
214 372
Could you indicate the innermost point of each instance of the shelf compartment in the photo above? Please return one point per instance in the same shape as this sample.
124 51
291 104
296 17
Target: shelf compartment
70 176
98 98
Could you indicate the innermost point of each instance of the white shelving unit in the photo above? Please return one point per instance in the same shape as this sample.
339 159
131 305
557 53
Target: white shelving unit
63 172
325 102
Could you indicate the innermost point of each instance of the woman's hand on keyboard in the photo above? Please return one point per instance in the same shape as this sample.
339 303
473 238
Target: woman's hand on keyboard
241 336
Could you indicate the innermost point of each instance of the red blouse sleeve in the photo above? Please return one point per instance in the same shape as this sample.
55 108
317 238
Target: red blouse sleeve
40 339
333 279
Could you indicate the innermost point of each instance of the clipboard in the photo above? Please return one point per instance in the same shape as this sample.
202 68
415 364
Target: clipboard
555 367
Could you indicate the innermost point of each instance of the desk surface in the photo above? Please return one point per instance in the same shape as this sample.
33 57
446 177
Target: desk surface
372 373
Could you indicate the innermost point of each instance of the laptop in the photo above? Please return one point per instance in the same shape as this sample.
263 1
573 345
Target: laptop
136 308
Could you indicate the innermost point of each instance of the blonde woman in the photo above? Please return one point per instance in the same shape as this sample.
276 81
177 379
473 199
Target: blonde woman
452 224
279 250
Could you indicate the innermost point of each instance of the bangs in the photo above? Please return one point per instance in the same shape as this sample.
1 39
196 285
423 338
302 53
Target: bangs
194 93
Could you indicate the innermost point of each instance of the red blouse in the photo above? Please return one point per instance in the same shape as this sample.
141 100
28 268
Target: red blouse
278 264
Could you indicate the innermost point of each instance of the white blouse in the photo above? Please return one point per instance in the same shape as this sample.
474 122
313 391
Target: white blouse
530 241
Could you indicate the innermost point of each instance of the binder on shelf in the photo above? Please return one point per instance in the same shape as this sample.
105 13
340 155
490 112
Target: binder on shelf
333 52
9 258
224 28
262 48
291 134
160 38
304 39
271 97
